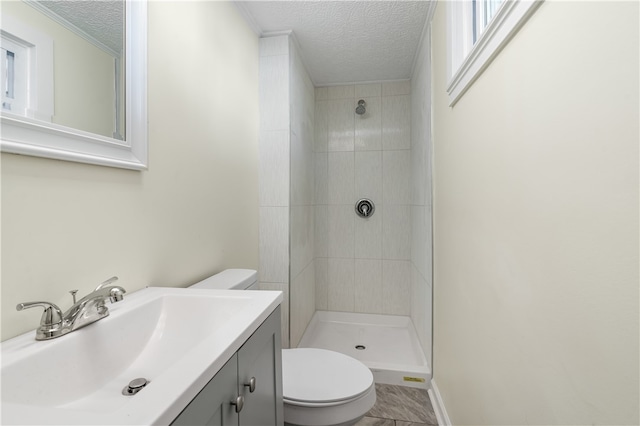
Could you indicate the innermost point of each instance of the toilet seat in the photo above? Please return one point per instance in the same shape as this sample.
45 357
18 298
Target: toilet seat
321 378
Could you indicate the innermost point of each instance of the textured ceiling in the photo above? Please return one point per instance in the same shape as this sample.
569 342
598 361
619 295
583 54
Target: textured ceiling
101 19
348 41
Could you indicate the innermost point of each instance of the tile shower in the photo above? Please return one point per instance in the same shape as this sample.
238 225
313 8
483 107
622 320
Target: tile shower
317 158
363 264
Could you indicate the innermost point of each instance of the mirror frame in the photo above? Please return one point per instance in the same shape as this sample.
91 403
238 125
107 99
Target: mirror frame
22 135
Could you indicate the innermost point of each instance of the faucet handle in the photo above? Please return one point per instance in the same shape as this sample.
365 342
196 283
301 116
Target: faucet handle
52 315
107 282
116 294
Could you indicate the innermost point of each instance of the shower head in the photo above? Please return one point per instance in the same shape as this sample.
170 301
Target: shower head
360 109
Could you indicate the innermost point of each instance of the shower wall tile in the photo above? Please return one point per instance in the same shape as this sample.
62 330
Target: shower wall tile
427 184
421 294
299 69
302 112
302 167
368 237
370 90
302 211
341 92
341 295
274 244
396 232
368 126
420 139
274 171
321 126
322 283
368 176
322 93
273 46
418 171
341 231
419 238
396 176
392 88
421 234
417 300
321 236
427 327
284 307
340 125
396 122
379 169
302 238
421 310
274 168
304 295
368 286
341 177
396 287
321 178
274 92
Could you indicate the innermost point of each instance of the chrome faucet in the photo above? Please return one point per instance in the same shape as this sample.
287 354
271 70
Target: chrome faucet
87 310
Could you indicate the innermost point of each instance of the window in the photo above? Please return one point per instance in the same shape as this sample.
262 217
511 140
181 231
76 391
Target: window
477 31
26 70
14 77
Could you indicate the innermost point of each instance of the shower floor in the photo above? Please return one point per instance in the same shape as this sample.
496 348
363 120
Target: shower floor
388 344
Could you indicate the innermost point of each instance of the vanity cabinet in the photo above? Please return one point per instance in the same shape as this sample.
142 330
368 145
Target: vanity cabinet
248 389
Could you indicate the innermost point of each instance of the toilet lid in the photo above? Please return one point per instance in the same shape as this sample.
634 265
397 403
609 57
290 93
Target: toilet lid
320 376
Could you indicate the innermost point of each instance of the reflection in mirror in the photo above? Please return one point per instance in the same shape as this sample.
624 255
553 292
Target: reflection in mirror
33 126
63 63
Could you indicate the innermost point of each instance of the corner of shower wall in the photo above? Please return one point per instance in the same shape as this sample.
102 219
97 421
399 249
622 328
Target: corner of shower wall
302 195
421 212
286 182
274 152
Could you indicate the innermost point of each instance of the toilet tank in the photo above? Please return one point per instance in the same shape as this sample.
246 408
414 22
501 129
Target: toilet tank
230 279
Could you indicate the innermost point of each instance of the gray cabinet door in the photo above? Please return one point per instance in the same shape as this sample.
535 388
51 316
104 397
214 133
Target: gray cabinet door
261 358
212 406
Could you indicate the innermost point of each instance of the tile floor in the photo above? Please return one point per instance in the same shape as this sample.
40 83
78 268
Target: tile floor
400 406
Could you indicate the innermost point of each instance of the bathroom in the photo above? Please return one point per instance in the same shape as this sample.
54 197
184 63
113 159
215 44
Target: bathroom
532 181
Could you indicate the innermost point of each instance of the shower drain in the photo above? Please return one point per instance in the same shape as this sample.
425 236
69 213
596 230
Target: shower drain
361 347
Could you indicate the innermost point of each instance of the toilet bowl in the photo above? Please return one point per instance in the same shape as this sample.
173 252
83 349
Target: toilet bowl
320 387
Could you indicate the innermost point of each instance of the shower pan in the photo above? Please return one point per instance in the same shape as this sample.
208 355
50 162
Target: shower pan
387 344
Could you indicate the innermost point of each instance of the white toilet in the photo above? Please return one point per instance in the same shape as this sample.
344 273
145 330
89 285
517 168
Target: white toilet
320 387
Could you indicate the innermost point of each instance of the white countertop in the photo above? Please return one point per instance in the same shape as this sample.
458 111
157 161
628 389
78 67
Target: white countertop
57 382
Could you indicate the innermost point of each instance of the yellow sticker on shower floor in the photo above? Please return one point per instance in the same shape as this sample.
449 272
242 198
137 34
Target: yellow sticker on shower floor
413 379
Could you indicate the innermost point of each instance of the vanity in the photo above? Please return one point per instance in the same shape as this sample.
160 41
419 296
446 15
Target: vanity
208 357
248 389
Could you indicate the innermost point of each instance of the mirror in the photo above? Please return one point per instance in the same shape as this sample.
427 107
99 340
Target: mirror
74 81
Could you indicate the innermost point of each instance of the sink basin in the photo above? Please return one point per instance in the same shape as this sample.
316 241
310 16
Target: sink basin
175 338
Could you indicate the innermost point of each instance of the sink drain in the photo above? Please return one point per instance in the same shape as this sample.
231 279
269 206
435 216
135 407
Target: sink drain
135 386
361 347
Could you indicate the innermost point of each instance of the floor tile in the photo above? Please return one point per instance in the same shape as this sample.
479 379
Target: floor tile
375 421
404 404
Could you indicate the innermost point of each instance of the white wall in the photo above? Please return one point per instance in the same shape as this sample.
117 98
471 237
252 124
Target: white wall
536 223
363 265
193 213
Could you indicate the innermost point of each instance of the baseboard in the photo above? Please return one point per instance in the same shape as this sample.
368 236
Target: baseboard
438 405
